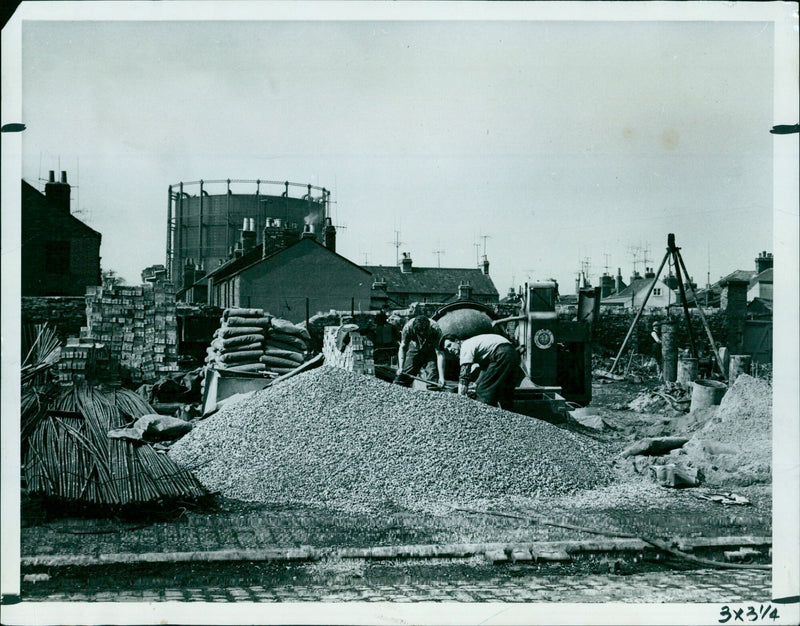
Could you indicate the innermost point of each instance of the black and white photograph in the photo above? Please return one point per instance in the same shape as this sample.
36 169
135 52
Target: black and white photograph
400 312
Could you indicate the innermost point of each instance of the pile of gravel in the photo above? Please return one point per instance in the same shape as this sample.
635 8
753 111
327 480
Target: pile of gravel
347 441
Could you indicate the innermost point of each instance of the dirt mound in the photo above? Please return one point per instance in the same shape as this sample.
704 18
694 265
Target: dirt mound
347 441
735 446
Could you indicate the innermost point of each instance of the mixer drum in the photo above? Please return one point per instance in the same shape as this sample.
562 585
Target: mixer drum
465 320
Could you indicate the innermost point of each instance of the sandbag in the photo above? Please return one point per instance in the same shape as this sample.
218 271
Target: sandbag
297 357
240 357
246 367
227 332
241 340
242 313
284 326
271 361
291 340
261 322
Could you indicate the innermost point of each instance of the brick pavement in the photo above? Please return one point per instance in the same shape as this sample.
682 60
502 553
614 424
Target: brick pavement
694 586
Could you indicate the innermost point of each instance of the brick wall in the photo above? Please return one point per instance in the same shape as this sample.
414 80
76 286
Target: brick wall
609 331
66 314
356 356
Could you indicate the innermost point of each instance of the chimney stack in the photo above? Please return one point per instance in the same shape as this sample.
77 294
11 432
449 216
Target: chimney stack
58 193
465 291
248 234
485 265
405 263
329 235
308 232
763 261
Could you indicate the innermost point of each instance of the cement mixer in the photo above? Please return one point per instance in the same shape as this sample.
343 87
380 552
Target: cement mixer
556 353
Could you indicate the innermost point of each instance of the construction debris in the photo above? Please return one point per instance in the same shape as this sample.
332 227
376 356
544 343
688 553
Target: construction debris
341 440
654 446
674 475
734 448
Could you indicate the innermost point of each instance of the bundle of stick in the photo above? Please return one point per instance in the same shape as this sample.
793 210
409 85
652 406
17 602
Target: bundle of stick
70 457
238 343
285 347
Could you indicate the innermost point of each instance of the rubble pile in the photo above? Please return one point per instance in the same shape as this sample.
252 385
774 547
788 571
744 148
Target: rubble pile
734 448
347 441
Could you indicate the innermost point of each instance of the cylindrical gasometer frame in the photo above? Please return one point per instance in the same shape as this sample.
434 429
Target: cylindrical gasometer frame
203 225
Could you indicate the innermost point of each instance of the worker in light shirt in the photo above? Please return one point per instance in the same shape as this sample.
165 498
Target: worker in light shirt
498 361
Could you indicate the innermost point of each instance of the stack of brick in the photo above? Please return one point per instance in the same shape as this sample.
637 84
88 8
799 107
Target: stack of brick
347 349
286 346
138 325
238 343
82 359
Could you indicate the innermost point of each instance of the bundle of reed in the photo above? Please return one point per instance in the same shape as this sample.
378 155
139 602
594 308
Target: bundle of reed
34 402
71 458
42 350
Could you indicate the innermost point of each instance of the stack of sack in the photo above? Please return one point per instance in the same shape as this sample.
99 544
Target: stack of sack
285 347
238 343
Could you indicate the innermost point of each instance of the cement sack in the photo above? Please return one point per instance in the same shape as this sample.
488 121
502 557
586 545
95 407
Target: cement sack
291 340
261 322
218 345
241 340
249 356
280 370
153 428
274 361
246 367
284 326
242 313
272 344
285 354
227 332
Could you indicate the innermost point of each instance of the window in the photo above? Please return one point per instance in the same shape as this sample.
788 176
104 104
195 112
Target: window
657 291
56 257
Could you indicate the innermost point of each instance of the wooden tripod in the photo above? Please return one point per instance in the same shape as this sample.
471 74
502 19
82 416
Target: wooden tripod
674 252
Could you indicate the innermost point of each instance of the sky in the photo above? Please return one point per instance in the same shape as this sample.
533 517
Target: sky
552 145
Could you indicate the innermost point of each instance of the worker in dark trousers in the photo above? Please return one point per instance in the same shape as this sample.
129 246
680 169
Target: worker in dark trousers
498 362
419 347
655 335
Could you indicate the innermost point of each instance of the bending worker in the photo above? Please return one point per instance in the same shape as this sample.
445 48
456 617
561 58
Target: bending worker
419 346
498 361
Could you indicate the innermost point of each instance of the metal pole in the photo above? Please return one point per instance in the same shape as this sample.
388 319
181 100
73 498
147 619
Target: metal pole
228 238
179 235
307 312
200 228
639 312
705 325
682 290
169 234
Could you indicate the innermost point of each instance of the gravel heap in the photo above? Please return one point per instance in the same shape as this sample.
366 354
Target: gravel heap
735 446
346 441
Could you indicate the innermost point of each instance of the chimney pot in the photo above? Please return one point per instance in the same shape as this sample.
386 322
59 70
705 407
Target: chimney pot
63 176
52 178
